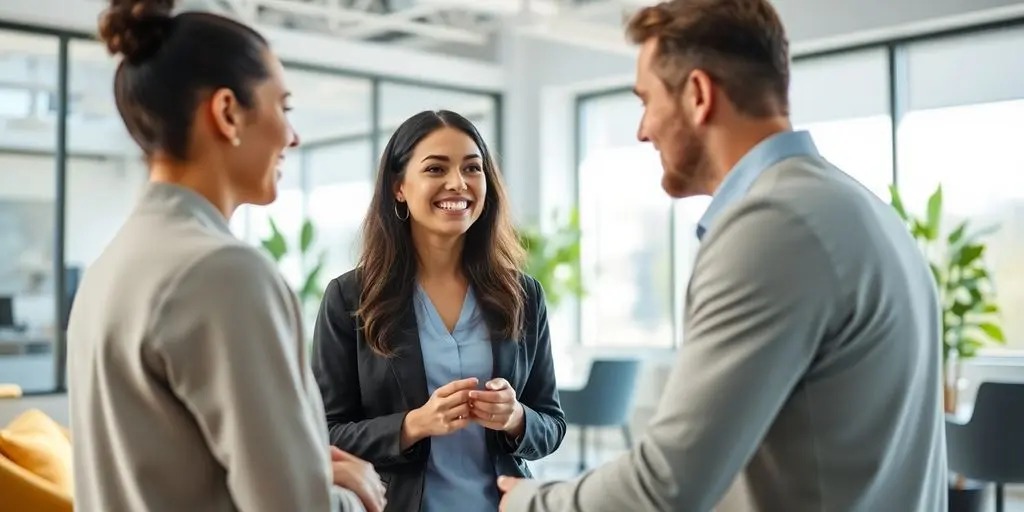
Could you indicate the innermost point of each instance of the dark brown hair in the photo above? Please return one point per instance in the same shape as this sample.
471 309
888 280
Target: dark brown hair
491 254
740 44
170 62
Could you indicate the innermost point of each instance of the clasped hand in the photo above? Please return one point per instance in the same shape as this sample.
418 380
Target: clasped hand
453 406
358 476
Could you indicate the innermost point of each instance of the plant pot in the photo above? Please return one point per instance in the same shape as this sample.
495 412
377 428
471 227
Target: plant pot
950 398
970 498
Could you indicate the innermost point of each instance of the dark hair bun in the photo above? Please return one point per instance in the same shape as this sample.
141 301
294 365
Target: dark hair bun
136 28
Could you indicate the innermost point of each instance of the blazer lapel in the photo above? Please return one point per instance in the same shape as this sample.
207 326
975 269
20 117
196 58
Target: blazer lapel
407 364
505 353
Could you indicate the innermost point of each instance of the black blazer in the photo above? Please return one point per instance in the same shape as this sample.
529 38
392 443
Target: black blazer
366 397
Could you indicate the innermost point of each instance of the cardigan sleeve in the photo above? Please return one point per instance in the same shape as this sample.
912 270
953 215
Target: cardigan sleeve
754 327
227 338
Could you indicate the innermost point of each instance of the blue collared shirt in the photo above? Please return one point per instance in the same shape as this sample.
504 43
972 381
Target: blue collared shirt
765 154
460 470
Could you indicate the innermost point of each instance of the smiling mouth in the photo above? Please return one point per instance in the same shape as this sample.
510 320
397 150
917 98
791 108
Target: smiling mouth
456 206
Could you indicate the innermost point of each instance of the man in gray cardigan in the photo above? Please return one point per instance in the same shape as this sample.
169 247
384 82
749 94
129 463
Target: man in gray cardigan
809 375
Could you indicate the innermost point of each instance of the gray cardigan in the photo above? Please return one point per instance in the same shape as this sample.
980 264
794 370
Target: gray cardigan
189 382
809 373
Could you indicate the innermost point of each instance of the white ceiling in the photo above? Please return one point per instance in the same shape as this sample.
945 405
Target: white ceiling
326 106
461 27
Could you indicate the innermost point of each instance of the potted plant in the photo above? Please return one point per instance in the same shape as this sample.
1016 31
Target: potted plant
553 259
970 314
310 290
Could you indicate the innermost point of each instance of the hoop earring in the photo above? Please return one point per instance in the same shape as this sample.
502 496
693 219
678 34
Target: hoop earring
398 215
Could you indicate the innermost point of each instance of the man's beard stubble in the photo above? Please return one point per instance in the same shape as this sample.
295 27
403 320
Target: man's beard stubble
688 173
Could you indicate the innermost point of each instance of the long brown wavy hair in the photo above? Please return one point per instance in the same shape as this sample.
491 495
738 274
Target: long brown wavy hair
491 257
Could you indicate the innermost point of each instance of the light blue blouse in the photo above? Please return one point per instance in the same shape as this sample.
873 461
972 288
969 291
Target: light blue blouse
460 471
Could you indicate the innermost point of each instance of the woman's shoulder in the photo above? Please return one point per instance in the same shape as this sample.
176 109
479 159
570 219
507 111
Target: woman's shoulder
530 285
345 287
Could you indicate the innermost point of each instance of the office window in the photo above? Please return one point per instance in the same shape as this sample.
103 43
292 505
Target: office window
626 221
28 206
339 166
105 169
640 247
398 102
963 129
686 214
843 101
328 112
341 187
287 211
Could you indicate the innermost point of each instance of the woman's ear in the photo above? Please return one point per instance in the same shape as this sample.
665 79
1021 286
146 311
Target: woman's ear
226 114
399 196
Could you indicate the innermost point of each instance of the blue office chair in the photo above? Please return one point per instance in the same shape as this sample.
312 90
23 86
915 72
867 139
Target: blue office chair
605 401
990 446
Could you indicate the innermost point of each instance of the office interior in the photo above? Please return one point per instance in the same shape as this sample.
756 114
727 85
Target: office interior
912 94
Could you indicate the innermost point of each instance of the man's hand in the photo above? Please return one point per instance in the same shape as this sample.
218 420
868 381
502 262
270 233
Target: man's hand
358 476
505 485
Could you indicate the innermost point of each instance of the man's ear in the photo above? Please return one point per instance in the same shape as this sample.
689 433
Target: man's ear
698 96
226 113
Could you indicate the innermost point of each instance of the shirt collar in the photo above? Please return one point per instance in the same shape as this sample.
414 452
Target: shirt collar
180 201
765 154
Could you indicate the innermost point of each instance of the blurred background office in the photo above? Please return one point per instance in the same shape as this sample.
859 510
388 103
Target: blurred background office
913 93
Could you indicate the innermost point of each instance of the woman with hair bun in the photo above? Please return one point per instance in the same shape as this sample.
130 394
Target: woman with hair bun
189 382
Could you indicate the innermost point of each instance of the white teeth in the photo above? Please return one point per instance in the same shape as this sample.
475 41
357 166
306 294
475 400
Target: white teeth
453 205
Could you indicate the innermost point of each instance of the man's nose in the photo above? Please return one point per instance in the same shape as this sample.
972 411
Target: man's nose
641 133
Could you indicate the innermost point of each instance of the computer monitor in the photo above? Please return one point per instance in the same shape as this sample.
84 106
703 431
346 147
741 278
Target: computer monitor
6 312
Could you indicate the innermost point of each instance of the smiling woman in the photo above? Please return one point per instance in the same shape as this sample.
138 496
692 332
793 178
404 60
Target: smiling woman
439 302
182 338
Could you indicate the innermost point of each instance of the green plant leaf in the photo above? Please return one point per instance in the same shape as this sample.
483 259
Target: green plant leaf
897 202
959 308
934 214
276 246
311 289
968 254
553 258
993 331
920 230
306 236
968 347
957 234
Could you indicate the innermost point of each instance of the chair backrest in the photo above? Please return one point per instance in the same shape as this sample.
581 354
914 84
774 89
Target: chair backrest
607 399
990 446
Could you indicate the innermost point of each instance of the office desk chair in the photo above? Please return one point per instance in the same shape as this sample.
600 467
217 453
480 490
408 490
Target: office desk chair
990 446
605 401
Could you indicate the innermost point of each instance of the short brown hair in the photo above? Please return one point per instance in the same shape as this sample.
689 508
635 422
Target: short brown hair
741 44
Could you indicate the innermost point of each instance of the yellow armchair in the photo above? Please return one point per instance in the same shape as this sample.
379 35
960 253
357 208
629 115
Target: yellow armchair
35 465
24 491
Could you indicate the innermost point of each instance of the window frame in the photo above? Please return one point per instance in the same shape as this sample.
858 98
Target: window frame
61 154
898 107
